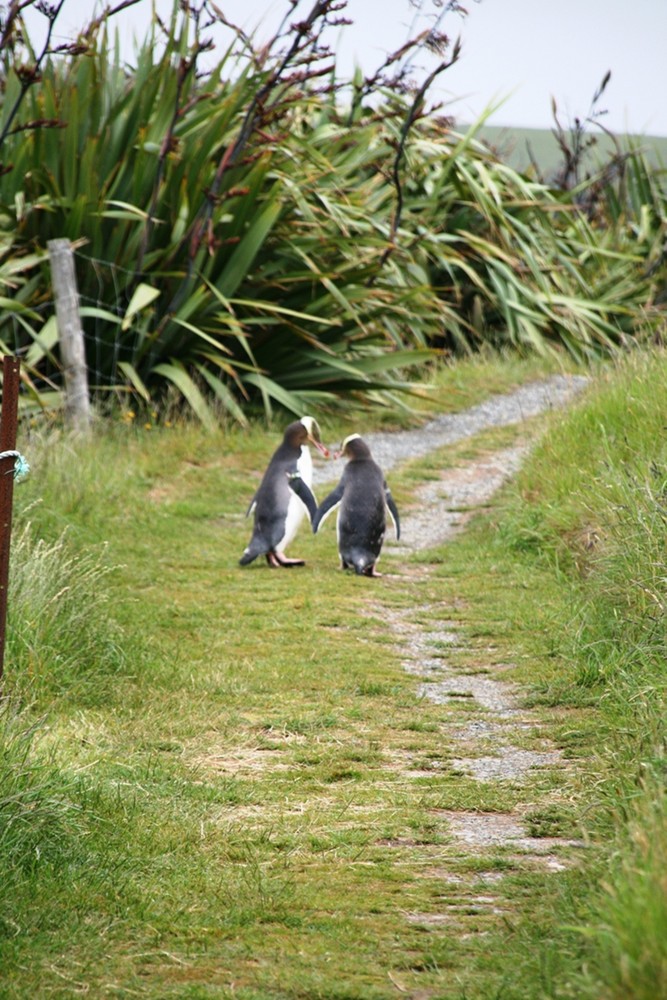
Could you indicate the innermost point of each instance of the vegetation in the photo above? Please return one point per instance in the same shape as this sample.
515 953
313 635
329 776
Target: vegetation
592 509
240 791
216 782
255 235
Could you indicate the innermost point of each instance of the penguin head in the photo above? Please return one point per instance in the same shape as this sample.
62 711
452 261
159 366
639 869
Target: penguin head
306 431
353 447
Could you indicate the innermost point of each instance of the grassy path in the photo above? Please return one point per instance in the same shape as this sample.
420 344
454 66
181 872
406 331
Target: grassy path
302 784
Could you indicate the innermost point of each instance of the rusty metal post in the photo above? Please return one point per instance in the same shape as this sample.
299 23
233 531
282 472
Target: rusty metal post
11 368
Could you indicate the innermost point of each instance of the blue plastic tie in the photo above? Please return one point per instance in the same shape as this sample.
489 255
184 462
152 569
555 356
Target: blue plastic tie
21 467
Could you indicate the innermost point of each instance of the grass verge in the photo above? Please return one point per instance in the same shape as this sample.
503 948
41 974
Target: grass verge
232 788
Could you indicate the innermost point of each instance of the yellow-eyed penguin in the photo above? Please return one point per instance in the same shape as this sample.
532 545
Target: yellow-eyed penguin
279 510
363 498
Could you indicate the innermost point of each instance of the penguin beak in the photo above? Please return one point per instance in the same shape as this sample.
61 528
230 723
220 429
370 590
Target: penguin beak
313 432
320 447
314 437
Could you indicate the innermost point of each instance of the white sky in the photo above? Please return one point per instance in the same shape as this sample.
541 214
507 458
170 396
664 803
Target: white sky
525 51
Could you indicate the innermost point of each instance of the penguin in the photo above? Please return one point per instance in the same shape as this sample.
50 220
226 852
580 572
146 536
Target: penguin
278 510
364 498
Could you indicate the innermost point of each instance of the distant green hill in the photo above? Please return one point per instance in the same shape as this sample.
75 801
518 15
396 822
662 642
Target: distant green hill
521 147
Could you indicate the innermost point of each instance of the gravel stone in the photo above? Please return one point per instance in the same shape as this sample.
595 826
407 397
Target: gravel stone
480 830
511 765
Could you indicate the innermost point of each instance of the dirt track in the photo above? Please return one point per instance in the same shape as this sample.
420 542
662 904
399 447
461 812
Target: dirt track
491 744
446 505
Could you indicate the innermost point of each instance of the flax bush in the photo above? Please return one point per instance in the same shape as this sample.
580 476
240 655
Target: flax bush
251 235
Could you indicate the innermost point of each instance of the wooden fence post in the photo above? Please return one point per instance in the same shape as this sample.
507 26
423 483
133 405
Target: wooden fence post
11 368
72 349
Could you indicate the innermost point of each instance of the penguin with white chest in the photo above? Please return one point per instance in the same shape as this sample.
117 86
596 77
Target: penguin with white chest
363 499
277 509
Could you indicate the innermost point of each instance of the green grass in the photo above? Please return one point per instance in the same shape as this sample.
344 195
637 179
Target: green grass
222 782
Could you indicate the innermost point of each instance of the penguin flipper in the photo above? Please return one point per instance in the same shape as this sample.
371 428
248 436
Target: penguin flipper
304 493
393 511
328 505
251 506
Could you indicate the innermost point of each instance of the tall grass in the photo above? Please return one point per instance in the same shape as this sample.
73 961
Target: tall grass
624 650
62 648
60 634
595 509
629 922
38 814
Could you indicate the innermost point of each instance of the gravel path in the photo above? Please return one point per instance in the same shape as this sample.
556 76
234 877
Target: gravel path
389 449
444 507
491 745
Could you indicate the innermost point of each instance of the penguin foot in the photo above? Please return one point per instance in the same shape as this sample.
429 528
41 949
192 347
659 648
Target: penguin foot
277 559
360 570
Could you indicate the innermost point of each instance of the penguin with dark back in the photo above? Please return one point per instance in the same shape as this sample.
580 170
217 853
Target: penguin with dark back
277 509
363 499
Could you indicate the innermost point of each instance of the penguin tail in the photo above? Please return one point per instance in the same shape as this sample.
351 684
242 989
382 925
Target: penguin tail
362 563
